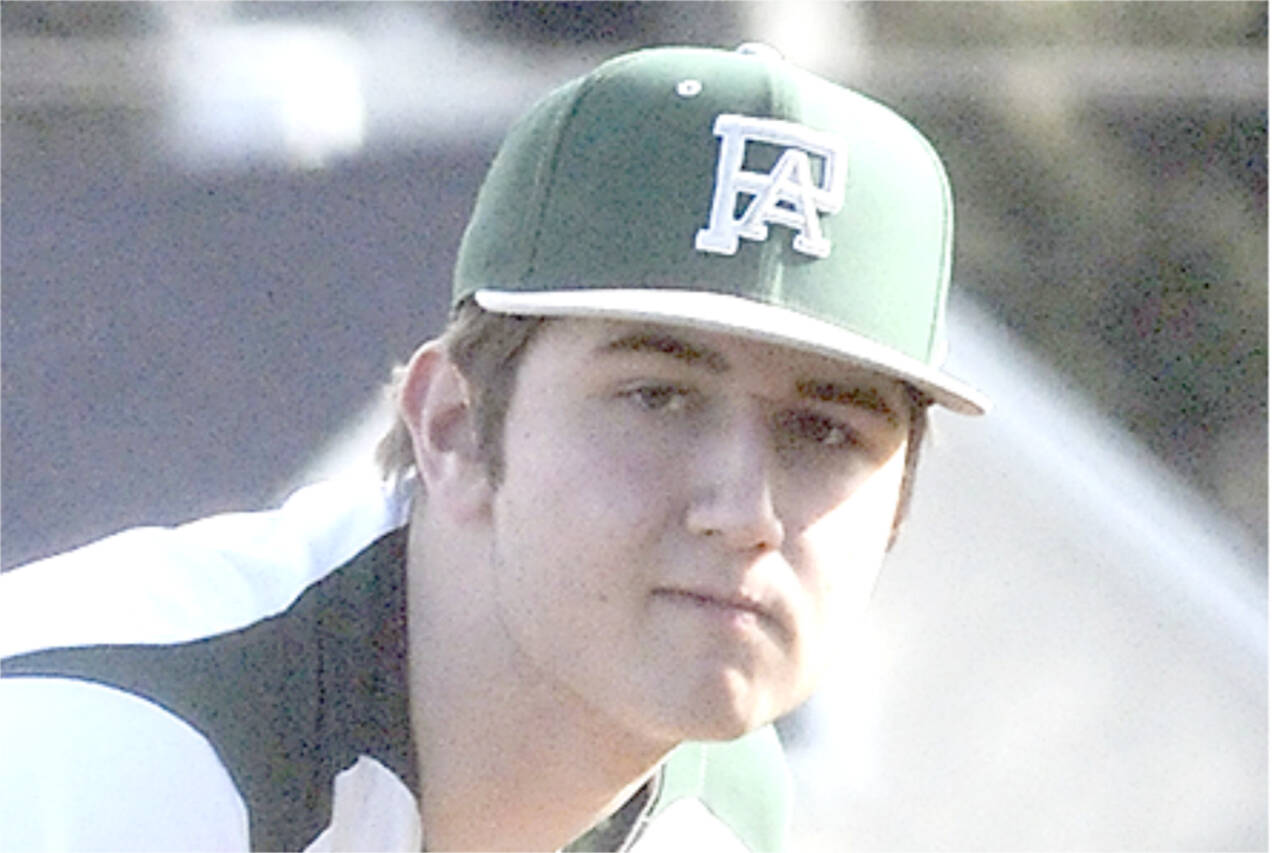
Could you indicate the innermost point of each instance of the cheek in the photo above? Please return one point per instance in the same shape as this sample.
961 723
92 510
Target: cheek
839 555
603 481
843 527
579 526
852 536
577 510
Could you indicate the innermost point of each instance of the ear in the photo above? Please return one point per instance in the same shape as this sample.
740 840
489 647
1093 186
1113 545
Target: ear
435 405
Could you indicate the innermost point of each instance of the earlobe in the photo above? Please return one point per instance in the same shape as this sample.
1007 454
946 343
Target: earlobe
435 405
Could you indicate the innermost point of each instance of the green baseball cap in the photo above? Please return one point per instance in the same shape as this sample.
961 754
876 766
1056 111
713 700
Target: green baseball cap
729 191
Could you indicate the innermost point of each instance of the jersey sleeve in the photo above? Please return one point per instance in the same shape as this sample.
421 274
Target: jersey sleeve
89 767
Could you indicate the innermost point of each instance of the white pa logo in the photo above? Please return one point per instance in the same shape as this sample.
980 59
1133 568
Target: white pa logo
786 195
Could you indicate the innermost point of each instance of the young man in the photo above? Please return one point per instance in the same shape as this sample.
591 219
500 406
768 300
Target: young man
658 455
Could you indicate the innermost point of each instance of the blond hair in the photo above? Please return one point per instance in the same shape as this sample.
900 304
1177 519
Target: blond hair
486 348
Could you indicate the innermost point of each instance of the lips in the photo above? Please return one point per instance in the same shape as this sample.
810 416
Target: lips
715 600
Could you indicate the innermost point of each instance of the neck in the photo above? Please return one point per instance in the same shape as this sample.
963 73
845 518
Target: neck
507 760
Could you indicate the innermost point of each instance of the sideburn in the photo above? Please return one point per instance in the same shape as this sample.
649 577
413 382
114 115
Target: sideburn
915 440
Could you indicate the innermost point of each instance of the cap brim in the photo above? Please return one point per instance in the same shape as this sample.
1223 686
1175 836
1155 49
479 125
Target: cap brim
722 312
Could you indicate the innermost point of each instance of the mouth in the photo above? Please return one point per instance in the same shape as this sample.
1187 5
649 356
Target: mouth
739 609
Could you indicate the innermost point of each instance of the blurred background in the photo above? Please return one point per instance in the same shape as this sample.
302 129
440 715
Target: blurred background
224 221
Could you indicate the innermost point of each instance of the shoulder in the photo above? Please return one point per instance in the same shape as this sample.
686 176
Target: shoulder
145 672
92 767
218 574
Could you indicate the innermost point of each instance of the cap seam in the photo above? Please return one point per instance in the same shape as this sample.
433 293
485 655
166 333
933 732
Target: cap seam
546 175
944 262
549 166
770 253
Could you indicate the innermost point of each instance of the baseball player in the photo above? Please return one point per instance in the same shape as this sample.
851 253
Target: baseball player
656 457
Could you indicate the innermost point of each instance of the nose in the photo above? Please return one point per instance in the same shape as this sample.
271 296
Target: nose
734 500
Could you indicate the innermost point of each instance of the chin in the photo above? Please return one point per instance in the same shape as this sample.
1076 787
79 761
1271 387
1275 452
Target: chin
726 717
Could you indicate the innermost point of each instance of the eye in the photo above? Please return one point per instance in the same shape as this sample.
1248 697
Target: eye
659 398
812 428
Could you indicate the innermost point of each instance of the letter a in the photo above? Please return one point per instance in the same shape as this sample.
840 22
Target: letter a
785 196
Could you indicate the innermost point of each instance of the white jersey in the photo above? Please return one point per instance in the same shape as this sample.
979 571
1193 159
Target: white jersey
239 683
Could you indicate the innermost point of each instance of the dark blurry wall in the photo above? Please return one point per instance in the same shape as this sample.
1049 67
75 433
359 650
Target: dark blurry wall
176 345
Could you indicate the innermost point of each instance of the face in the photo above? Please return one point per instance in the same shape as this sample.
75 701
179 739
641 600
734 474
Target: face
684 519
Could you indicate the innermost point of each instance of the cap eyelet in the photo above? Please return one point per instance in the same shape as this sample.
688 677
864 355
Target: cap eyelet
688 88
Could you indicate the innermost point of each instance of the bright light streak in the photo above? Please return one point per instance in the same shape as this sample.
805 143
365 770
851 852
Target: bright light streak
254 91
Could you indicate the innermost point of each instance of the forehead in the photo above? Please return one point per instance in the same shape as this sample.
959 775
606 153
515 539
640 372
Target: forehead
598 343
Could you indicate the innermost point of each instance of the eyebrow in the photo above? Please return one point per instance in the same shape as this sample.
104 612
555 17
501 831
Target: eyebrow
856 396
669 345
841 394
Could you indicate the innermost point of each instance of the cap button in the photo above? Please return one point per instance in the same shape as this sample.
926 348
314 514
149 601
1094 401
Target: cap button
760 49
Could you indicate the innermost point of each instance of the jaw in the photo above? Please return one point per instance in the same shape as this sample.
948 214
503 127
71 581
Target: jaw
719 694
